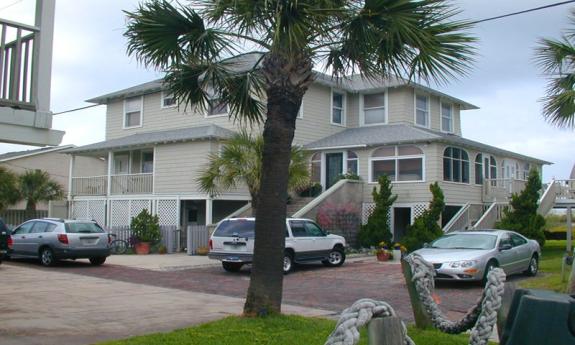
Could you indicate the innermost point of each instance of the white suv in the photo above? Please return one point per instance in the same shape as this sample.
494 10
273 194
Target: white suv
233 244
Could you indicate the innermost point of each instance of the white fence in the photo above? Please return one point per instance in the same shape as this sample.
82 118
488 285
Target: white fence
170 236
197 236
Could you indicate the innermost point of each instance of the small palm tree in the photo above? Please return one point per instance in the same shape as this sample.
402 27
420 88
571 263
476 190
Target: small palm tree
240 161
557 60
36 186
8 189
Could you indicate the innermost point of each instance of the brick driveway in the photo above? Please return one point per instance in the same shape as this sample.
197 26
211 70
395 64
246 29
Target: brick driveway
311 285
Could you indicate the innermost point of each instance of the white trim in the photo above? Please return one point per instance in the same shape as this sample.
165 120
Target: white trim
24 154
339 147
343 107
163 97
428 117
154 171
141 113
385 109
441 102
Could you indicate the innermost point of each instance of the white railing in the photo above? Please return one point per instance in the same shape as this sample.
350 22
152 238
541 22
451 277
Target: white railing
491 216
565 189
460 221
18 62
547 199
501 189
132 184
92 185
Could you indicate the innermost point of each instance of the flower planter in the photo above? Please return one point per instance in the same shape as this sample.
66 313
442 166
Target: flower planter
382 256
142 248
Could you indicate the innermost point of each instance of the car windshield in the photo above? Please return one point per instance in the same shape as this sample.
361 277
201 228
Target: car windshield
465 241
83 228
241 228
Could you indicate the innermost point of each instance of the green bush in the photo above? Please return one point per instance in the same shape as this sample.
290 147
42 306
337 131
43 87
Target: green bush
377 228
146 227
425 227
522 215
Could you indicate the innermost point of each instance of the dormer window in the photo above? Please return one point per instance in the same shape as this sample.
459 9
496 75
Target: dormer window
338 108
374 109
133 112
422 110
447 117
168 100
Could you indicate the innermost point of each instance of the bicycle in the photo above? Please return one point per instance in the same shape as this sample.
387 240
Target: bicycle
118 246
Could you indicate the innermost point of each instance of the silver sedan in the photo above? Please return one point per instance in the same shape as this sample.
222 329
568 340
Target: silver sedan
470 255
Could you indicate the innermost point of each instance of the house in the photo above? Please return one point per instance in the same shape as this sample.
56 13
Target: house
52 161
412 133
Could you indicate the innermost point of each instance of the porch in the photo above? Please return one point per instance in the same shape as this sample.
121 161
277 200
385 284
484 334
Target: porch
500 190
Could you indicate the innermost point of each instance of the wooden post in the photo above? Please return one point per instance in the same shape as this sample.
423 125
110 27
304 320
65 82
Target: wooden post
422 320
385 331
503 312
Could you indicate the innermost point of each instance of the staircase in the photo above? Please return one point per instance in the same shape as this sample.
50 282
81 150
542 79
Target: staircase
296 204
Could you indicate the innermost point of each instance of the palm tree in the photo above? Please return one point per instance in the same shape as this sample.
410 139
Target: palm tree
36 186
258 56
240 160
557 60
8 190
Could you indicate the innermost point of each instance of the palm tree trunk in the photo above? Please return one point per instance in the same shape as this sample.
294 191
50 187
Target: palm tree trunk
287 83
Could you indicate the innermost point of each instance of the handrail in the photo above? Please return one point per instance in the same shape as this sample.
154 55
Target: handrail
485 217
322 197
456 217
547 200
19 25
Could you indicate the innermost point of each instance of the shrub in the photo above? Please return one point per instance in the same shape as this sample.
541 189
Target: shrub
521 215
146 227
377 228
343 219
425 227
313 190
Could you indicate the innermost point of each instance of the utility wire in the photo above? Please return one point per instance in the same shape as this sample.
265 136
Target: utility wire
524 11
86 107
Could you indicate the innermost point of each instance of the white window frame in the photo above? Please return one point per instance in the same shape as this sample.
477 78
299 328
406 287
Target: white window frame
469 162
165 95
396 158
427 111
385 110
441 103
141 113
483 155
344 105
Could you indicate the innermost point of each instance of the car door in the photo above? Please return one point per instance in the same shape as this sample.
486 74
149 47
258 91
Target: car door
20 239
505 257
303 244
37 236
322 244
522 252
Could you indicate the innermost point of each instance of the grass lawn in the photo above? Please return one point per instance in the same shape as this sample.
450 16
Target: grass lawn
276 330
549 276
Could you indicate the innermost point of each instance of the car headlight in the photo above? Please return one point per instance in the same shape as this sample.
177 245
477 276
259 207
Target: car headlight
463 264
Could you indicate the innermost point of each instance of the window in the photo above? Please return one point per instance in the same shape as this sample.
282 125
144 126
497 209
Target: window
517 240
455 165
352 163
121 163
39 227
479 169
446 117
374 109
422 110
24 228
147 162
298 229
337 108
216 107
526 169
168 100
313 230
316 167
399 163
133 112
492 168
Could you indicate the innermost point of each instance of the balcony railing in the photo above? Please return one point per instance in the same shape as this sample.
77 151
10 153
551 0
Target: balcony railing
132 184
93 185
501 189
18 63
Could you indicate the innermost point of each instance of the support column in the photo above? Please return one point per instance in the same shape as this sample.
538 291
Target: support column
569 230
209 210
110 162
70 176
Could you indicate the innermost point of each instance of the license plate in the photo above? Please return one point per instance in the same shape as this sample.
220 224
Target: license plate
89 241
232 258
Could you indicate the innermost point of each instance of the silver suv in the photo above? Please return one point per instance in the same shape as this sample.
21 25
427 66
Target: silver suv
233 244
51 239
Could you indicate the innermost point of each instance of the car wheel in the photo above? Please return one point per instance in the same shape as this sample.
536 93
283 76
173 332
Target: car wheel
490 265
288 262
335 258
97 261
232 266
47 257
533 266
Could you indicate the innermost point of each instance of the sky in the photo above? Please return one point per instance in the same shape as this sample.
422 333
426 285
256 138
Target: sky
90 60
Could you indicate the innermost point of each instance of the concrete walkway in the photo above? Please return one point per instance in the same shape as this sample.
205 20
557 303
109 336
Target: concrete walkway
167 262
46 307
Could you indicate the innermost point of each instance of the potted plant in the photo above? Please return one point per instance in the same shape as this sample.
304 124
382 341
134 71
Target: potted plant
146 231
383 253
398 250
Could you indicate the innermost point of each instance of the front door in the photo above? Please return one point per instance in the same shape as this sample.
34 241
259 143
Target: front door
333 168
401 220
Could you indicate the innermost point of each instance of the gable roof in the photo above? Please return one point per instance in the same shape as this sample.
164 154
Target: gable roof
22 154
158 137
396 134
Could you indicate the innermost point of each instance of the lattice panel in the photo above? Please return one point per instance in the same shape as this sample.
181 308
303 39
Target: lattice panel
168 211
136 206
120 213
80 209
417 210
367 210
97 211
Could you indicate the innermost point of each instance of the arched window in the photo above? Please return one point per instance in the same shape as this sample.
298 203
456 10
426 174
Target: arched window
315 167
455 165
479 169
492 168
352 163
399 163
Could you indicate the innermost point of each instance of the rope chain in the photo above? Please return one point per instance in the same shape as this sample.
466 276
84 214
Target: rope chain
481 318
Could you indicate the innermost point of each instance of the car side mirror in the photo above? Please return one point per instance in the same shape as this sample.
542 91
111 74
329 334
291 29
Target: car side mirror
426 245
505 247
